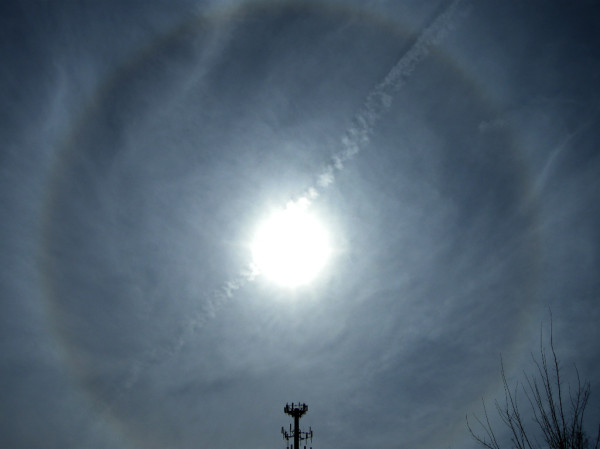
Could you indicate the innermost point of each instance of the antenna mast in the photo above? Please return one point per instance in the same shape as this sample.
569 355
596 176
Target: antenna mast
296 410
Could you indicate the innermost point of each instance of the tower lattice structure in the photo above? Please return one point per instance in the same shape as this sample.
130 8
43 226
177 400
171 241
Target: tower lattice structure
296 434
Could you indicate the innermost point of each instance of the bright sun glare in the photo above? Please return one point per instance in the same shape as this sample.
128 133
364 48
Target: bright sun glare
291 247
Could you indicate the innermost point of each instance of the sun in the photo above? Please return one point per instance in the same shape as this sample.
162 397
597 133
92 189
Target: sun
291 247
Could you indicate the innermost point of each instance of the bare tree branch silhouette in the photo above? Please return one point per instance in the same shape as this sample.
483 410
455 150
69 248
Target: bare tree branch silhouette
555 416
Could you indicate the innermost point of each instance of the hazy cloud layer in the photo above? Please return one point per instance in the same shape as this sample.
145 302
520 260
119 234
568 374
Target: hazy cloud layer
449 147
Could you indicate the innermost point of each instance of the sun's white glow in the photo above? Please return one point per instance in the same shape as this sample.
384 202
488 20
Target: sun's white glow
291 247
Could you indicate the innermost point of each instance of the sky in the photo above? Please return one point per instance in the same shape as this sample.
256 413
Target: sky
449 149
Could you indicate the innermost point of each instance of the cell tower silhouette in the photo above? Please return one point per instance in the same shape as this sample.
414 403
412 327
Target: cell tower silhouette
296 410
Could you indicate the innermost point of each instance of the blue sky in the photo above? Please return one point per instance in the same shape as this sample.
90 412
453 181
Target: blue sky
450 149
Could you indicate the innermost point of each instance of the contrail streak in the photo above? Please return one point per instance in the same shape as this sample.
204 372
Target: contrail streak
379 100
354 140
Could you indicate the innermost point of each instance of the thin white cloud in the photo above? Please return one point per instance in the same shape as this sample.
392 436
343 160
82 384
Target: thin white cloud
380 99
354 140
542 178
